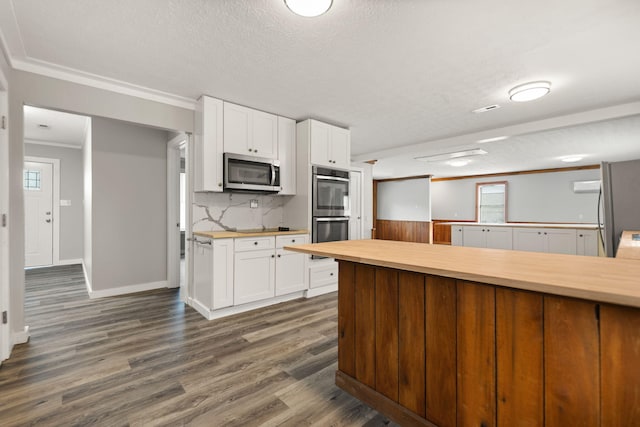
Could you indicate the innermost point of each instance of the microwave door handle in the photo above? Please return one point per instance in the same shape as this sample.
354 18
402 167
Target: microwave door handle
273 175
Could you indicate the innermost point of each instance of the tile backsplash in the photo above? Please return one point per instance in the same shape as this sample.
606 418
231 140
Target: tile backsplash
232 211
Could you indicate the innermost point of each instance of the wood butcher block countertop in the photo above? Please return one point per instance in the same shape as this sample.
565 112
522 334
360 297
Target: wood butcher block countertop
599 279
248 233
629 248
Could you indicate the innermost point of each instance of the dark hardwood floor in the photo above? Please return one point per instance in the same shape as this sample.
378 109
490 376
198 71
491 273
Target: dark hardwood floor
147 359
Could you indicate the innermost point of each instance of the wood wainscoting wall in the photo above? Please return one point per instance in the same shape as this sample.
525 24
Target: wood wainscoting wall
406 231
442 231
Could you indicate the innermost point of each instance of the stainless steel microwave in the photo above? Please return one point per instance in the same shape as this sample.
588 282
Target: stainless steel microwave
251 174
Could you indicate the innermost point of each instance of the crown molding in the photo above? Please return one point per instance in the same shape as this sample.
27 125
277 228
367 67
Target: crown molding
88 79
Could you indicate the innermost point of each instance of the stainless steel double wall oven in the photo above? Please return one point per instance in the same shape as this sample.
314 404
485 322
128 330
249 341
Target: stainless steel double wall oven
330 210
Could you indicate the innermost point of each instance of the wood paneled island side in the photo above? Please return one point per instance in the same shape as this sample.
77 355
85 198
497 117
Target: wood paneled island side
453 336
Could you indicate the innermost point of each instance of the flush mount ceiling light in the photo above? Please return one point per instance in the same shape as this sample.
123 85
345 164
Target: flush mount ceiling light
449 156
497 138
308 8
458 163
529 91
571 159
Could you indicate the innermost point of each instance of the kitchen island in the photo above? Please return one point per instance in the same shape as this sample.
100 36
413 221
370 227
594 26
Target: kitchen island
444 336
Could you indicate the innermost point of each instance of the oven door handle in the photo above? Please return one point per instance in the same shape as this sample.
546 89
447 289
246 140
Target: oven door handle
332 178
329 219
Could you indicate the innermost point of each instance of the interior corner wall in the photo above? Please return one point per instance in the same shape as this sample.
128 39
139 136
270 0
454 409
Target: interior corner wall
536 197
129 231
27 88
71 189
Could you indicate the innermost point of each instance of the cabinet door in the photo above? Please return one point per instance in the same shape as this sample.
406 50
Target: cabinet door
264 135
529 239
290 272
254 276
287 155
203 272
340 153
587 242
208 145
561 241
320 141
456 235
474 236
499 237
222 273
237 129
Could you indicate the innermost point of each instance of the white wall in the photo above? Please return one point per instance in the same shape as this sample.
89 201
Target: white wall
32 89
129 231
405 200
540 197
71 188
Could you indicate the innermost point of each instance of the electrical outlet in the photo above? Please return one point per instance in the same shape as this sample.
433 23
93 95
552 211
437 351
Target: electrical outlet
253 203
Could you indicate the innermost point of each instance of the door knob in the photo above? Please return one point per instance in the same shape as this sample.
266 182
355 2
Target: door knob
47 220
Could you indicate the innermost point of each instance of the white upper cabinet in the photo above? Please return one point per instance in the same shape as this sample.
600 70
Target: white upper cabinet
208 145
330 145
287 155
250 132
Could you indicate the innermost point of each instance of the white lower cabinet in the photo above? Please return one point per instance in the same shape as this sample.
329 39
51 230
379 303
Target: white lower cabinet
254 275
291 267
551 240
487 237
213 273
456 235
587 242
323 274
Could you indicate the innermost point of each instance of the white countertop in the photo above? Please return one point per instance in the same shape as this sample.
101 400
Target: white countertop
526 224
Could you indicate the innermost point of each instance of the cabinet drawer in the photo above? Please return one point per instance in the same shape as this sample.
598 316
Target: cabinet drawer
324 275
254 243
291 239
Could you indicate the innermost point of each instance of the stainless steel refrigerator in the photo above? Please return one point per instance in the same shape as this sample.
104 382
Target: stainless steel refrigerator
620 201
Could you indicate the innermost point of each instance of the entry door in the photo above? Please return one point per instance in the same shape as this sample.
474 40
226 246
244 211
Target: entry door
38 213
355 220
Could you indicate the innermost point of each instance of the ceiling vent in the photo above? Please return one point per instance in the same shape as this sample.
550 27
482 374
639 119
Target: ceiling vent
454 155
43 126
487 108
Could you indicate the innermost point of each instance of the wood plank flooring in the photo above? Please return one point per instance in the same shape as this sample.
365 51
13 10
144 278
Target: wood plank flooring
147 359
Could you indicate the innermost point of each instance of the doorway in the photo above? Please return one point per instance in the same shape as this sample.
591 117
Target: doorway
39 180
356 200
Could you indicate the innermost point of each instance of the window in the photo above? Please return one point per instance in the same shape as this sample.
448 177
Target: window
491 202
31 180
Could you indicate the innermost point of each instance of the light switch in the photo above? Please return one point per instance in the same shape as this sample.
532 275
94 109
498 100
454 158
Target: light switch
253 203
65 202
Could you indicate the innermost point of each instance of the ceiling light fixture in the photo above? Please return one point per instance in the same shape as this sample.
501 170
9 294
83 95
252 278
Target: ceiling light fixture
529 91
308 8
458 163
497 138
571 159
454 155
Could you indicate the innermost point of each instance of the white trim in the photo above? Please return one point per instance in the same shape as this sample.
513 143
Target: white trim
186 288
56 202
228 311
314 292
361 190
60 72
130 289
87 282
70 261
173 209
21 337
52 144
5 294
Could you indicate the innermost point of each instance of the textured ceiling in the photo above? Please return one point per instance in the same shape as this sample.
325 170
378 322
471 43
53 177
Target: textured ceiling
62 128
397 72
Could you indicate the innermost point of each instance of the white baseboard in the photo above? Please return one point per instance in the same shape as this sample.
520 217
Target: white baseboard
131 289
70 261
314 292
21 337
228 311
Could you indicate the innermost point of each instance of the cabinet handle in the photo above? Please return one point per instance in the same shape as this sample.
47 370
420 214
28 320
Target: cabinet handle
255 243
539 232
331 274
279 256
580 235
488 230
255 150
219 184
293 240
545 233
273 256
